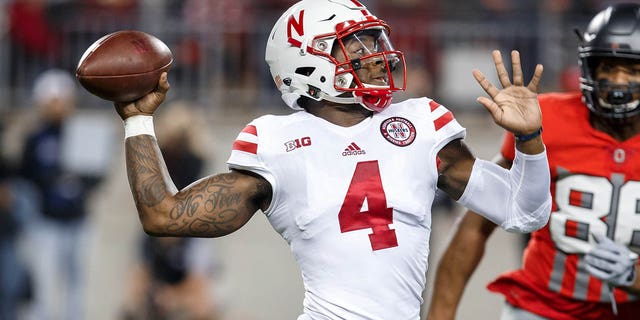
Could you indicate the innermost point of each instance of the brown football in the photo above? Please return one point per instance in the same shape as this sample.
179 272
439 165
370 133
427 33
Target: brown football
123 66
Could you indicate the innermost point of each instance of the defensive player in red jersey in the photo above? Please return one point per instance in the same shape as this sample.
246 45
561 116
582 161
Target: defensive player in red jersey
581 265
349 178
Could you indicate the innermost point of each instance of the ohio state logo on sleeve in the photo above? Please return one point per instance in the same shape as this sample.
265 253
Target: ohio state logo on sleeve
398 131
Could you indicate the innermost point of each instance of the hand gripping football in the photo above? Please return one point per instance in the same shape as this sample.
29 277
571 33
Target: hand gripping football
123 66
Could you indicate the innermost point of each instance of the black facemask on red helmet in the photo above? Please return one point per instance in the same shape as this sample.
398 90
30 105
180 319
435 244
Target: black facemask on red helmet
612 33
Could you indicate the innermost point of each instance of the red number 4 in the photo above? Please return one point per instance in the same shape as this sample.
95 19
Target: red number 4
367 185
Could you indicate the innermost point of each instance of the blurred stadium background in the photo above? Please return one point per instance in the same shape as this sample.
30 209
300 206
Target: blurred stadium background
219 71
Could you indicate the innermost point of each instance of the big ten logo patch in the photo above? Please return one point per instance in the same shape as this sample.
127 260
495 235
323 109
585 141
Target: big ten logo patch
297 143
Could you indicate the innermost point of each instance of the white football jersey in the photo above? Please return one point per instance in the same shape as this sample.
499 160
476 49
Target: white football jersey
354 203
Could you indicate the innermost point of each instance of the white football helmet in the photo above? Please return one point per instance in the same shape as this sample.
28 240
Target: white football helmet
334 50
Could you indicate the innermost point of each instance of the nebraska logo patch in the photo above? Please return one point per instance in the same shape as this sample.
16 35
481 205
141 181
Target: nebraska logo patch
398 131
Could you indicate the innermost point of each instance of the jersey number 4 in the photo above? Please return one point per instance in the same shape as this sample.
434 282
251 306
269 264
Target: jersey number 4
356 214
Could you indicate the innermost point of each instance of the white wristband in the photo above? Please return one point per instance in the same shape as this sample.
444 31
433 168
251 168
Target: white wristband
138 125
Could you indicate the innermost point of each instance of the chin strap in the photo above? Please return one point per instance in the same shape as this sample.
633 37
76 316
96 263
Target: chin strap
341 100
375 103
619 107
370 102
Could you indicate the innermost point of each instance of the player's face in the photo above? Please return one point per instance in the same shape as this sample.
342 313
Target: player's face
618 71
619 80
369 69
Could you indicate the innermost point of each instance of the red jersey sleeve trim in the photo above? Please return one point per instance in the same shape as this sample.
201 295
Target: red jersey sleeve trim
434 105
245 146
443 120
251 129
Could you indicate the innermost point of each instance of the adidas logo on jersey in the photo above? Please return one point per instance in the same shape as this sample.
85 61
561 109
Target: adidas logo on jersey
353 150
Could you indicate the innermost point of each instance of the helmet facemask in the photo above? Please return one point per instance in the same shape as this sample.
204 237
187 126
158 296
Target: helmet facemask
611 41
367 67
606 98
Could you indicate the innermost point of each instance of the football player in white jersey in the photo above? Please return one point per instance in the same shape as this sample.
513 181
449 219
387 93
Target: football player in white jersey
349 178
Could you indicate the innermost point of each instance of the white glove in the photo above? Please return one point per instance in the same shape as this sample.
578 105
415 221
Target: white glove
611 262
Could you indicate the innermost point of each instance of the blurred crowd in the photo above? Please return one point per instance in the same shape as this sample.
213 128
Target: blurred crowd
44 212
219 43
48 180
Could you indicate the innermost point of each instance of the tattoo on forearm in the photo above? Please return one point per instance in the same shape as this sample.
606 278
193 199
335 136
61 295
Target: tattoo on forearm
216 198
214 206
143 171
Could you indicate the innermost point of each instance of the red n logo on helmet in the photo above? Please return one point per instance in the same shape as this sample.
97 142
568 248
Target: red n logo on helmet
298 26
